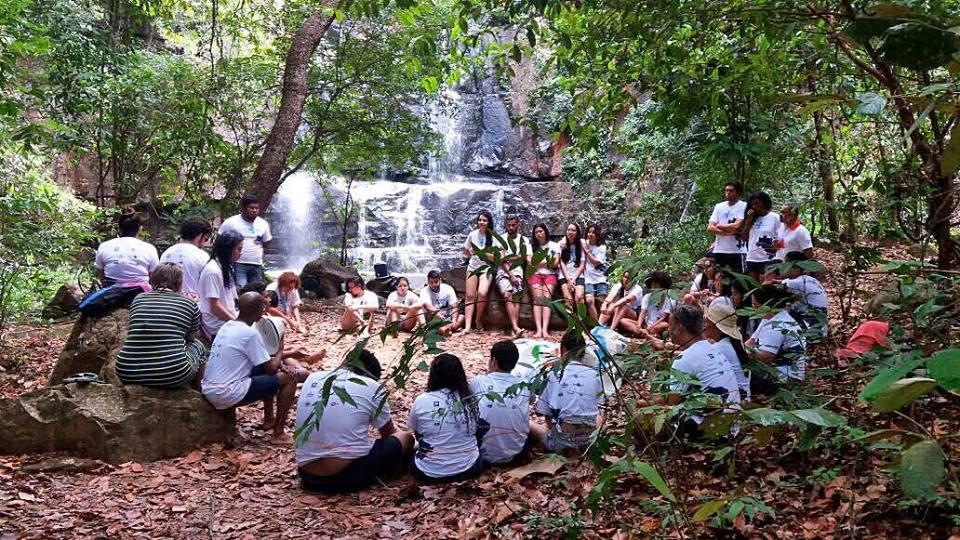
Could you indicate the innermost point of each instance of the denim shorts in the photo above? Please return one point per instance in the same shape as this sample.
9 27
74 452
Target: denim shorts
262 385
596 289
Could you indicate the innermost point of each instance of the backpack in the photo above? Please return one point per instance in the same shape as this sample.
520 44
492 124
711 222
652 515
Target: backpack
103 301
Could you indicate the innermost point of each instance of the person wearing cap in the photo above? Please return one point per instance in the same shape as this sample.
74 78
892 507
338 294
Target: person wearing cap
778 339
720 327
702 360
571 399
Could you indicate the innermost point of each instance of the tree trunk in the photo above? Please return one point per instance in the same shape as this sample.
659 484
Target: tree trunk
822 155
266 178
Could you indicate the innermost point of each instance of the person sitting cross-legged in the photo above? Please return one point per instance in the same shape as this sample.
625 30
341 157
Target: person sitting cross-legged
337 454
240 371
778 340
571 399
440 300
504 403
403 306
361 305
655 306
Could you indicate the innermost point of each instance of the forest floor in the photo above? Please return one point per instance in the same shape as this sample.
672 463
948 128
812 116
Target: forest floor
835 490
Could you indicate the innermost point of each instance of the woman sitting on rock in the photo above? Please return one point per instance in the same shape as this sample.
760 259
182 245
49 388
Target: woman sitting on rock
162 348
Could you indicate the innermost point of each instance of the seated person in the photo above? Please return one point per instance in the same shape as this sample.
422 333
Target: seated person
195 232
703 287
700 359
404 305
620 306
778 339
126 258
720 327
267 325
361 306
288 299
218 284
162 348
656 306
337 454
446 422
240 371
810 309
504 403
571 399
440 300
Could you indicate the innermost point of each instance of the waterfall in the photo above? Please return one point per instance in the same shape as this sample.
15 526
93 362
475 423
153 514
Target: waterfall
292 217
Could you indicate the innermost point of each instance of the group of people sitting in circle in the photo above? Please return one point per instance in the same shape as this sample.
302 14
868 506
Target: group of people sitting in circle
203 324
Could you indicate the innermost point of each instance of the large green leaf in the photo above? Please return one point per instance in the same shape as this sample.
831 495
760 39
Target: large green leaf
887 377
651 475
922 470
901 393
945 368
709 508
770 417
950 158
820 417
918 46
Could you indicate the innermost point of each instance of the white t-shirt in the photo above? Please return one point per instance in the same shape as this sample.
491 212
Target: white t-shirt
368 299
709 365
446 433
636 291
475 238
126 259
723 301
795 239
574 397
763 232
656 309
571 264
442 299
285 301
408 299
519 243
810 291
725 346
724 214
695 285
237 349
590 272
782 336
254 235
211 286
553 251
344 428
508 415
191 259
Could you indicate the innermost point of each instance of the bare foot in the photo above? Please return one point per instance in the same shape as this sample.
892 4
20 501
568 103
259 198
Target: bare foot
281 438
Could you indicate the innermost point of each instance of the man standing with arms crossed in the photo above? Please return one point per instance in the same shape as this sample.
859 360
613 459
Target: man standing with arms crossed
725 222
256 237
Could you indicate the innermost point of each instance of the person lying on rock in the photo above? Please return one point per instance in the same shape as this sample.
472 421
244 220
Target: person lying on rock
337 454
240 371
361 306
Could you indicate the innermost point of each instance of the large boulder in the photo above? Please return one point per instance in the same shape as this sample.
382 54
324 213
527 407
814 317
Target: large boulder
496 313
325 277
111 423
92 347
65 302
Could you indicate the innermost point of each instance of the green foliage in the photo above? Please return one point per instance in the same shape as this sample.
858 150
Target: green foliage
922 469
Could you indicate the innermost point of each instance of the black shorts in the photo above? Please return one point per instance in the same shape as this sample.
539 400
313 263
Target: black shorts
759 267
581 282
473 472
384 460
732 261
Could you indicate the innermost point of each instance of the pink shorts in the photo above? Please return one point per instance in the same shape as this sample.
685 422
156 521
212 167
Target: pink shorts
543 279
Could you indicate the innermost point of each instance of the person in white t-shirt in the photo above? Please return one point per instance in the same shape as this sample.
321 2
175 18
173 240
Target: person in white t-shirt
256 238
195 232
287 289
478 271
595 284
217 290
544 279
336 453
126 258
720 327
440 300
405 306
778 340
239 370
726 222
703 287
445 420
572 265
655 306
761 228
793 235
513 255
571 398
622 304
702 360
504 403
361 308
811 307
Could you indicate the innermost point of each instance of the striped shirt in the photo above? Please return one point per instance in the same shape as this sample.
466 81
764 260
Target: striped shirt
155 352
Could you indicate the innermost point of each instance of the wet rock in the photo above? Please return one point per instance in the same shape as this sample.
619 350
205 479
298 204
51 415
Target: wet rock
495 316
92 347
382 286
64 302
326 277
111 423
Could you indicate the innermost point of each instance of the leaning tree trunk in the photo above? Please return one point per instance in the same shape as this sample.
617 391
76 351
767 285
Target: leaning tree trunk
266 179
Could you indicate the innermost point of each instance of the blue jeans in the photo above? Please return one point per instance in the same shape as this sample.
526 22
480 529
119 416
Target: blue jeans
246 273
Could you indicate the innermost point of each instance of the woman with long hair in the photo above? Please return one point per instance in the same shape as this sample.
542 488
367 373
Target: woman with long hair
703 288
478 275
621 305
572 264
596 285
445 422
218 291
544 278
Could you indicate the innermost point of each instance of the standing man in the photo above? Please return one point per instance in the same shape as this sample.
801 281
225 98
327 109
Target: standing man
256 237
510 274
725 223
793 235
189 253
